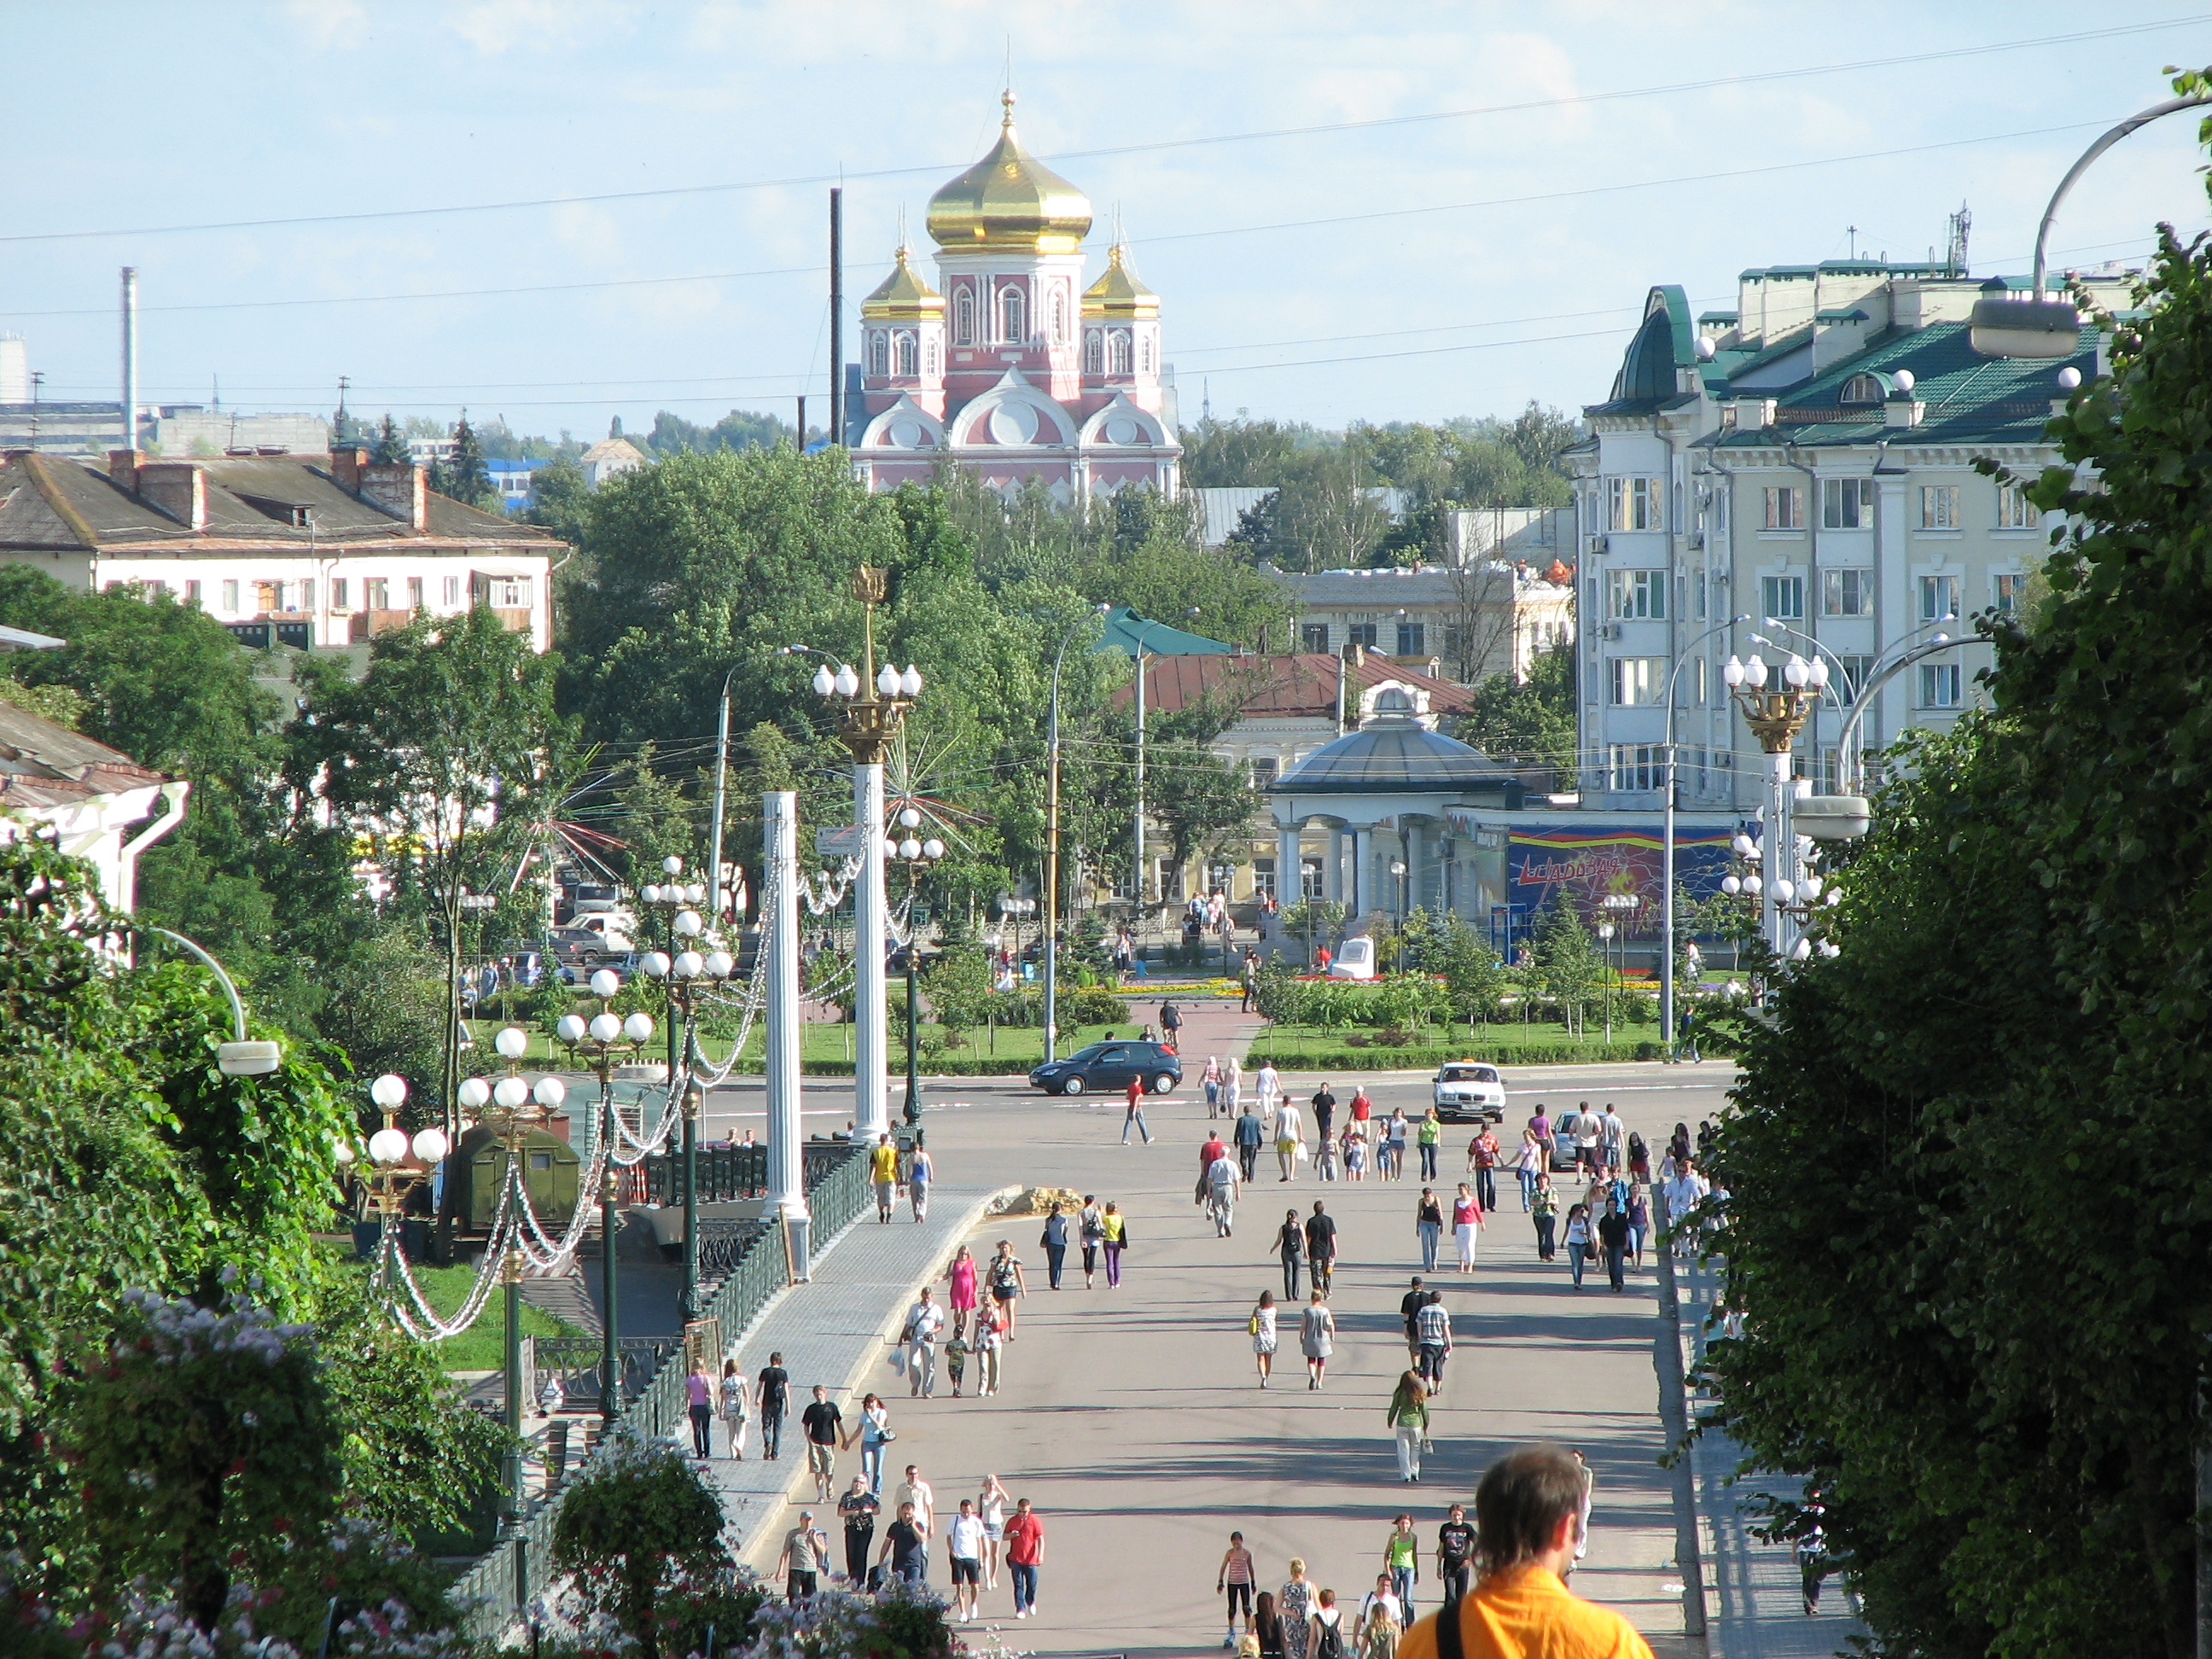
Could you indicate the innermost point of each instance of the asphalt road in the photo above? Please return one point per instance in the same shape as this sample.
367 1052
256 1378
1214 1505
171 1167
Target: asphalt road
1132 1418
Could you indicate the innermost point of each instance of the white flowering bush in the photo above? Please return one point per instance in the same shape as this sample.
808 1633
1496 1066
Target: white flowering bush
904 1622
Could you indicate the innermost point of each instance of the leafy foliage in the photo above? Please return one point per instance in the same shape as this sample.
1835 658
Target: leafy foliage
1530 723
639 1523
1569 966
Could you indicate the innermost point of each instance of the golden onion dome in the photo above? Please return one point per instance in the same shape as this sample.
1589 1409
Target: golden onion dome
903 295
1119 291
1010 199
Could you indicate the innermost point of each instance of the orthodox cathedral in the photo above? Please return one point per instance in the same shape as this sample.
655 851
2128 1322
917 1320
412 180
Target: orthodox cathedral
1010 365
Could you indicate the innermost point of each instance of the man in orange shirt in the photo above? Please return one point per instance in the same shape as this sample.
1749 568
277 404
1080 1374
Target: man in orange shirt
1526 1513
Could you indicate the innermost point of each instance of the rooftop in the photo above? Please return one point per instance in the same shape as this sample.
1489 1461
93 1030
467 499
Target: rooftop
1395 755
1289 684
46 765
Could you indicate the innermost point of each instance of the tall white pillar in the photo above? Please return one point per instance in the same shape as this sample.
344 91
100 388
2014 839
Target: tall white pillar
1775 851
872 1031
787 1176
1358 901
1332 877
1411 892
1289 876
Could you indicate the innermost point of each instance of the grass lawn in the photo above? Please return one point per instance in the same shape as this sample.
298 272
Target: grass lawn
830 1045
482 1347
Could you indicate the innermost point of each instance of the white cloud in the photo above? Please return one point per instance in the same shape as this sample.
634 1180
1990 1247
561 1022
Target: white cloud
328 23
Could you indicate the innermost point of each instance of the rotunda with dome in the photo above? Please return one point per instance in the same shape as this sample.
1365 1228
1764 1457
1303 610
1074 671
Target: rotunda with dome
1009 364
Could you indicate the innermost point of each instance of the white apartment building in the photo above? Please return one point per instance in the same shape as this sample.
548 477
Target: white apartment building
1464 623
309 551
1807 458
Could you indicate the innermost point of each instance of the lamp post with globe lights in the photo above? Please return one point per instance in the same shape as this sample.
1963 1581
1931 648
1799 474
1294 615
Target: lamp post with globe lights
681 976
916 854
603 1042
391 1179
876 702
1775 715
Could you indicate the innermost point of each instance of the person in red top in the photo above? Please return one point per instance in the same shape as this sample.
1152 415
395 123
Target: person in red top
1024 1541
1214 1148
1135 1117
1362 1107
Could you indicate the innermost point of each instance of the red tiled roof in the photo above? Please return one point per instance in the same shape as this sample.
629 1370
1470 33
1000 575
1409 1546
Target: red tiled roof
1298 682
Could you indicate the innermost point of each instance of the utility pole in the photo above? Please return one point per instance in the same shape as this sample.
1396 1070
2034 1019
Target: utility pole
836 318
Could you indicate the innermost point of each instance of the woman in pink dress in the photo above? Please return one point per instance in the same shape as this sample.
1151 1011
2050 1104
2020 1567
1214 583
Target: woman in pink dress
962 1276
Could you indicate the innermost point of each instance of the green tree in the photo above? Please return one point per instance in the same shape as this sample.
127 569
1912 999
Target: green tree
1530 723
1568 967
464 476
640 1522
390 448
1440 942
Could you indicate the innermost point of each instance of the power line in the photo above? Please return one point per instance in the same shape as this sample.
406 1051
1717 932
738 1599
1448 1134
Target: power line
1263 135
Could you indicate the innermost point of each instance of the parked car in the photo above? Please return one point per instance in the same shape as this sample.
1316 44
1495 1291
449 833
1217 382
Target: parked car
1468 1092
576 951
1106 1067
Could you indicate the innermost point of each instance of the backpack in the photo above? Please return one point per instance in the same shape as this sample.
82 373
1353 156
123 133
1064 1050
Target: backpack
1329 1640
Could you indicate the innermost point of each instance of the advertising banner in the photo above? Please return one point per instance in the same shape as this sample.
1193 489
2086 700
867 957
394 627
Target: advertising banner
1589 865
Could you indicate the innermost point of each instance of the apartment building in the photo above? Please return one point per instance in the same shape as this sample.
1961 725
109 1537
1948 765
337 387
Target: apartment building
309 551
1464 623
1807 459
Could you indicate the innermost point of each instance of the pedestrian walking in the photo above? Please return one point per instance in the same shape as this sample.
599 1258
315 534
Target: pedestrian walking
1289 1139
1324 1111
1686 1035
824 1426
990 1344
1116 1228
1054 1240
1401 1558
1294 1605
1534 1159
1008 1285
1482 1156
775 1390
1249 1136
1250 978
1613 1237
1545 1214
1811 1552
1639 1220
1379 1635
1589 1138
1526 1516
803 1558
1580 1252
1426 1136
1408 1418
1232 1085
1025 1556
1409 1314
883 1168
1212 1079
1328 1627
1433 1328
1261 1327
1382 1600
1267 1625
1291 1246
1092 1232
963 1541
1321 1249
918 1496
1316 1340
991 1504
1170 1025
1221 1194
1234 1578
1612 1139
699 1390
1429 1227
1466 1221
1401 1132
1134 1117
920 1172
1355 1153
906 1547
1456 1555
925 1324
960 1281
858 1509
736 1406
956 1357
1269 1084
873 1433
1639 1158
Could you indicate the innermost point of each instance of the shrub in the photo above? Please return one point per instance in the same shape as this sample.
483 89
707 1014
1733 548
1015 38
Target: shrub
1091 1005
641 1523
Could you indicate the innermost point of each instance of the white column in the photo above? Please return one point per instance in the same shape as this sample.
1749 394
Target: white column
787 1180
1290 878
1333 876
1411 892
1356 901
1775 857
871 1029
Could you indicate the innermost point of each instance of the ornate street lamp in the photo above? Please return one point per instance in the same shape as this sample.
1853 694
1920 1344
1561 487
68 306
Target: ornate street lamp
601 1043
681 976
917 855
1775 716
391 1179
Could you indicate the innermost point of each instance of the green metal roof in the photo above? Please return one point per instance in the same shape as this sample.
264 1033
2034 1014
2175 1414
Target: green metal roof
1121 634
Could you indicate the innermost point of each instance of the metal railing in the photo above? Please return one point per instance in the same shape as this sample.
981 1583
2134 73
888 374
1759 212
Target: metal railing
838 1192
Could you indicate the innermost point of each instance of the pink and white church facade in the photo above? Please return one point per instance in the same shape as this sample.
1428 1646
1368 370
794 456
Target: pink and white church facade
1010 366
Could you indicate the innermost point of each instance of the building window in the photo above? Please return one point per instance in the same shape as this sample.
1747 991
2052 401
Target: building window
1939 507
1856 670
878 353
1013 317
1635 680
1092 354
453 594
1315 635
268 598
1263 770
1636 766
1412 638
1635 504
192 594
1058 317
2005 589
1263 878
1638 595
1939 598
1939 685
2015 510
1221 878
1360 633
1847 503
415 594
338 586
1847 592
1699 685
1117 352
906 354
1782 598
1863 389
507 592
1145 353
376 593
1785 508
307 597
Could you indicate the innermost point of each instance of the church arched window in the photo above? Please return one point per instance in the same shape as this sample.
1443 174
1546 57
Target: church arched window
936 362
1117 352
963 316
1058 317
1011 319
876 363
1092 353
905 354
1145 353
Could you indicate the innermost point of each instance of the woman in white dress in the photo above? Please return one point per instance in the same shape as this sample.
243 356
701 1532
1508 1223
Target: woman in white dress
1317 1332
991 1505
1289 1138
1233 1086
1270 1085
1263 1335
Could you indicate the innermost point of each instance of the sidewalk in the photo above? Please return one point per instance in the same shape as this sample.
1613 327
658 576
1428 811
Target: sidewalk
1755 1605
834 1329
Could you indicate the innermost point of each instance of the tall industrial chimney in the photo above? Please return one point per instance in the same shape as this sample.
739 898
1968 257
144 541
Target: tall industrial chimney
130 356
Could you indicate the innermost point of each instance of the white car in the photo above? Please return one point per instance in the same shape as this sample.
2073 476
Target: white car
1469 1091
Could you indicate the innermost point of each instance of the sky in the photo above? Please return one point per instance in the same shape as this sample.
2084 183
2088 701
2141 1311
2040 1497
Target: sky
1351 213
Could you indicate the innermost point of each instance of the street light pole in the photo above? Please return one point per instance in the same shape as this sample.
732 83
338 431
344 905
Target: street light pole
1775 719
680 974
1667 850
1052 841
917 855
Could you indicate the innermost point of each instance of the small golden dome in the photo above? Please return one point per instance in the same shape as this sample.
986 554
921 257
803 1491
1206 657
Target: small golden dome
903 294
1010 199
1119 291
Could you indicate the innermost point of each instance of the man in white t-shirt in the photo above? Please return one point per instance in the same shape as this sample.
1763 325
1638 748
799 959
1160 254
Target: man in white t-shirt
1589 1136
1684 1192
925 1320
1614 1135
1384 1597
965 1539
